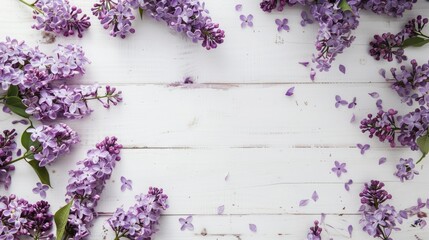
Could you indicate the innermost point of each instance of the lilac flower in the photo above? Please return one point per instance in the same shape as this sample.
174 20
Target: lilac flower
54 141
315 232
117 16
305 19
282 24
186 224
290 91
253 227
347 184
303 202
382 125
246 20
387 46
342 68
20 219
59 17
7 148
126 184
363 148
142 219
353 103
406 169
86 184
339 101
339 168
374 194
41 189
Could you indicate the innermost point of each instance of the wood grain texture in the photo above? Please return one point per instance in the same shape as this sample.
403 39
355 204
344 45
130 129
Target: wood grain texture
234 121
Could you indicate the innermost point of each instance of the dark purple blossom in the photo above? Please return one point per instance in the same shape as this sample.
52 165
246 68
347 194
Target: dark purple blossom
142 219
387 46
87 182
7 148
282 24
315 232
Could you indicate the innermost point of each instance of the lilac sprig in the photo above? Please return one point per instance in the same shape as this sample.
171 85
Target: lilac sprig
379 220
7 148
187 16
86 183
142 219
59 17
20 219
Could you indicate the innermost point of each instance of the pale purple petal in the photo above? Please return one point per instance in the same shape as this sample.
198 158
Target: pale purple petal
353 118
322 218
253 227
374 95
242 17
382 72
305 64
347 185
382 160
238 7
379 104
289 92
312 74
342 68
350 229
220 209
315 196
303 202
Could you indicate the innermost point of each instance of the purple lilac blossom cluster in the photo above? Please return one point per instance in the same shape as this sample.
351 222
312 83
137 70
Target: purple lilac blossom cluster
54 141
87 183
7 149
337 19
186 16
59 17
378 219
315 232
36 74
142 219
19 218
389 46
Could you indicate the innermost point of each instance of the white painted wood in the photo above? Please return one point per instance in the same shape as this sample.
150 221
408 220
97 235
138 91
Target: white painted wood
236 120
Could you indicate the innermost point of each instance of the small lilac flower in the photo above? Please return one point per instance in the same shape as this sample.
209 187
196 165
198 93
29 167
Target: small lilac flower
339 101
305 19
186 224
282 24
342 68
315 196
303 202
246 21
339 168
126 184
406 169
253 227
238 7
41 189
290 91
353 103
347 184
22 121
363 148
382 160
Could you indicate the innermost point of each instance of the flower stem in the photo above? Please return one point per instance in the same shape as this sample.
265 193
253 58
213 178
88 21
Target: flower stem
423 156
99 97
32 5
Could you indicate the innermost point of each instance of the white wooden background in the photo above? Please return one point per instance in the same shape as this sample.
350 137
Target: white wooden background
235 120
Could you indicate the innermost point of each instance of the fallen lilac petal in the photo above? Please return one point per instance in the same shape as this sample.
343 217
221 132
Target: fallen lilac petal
289 92
19 152
305 64
353 118
315 196
382 160
350 229
22 121
382 72
353 103
342 68
363 148
374 95
238 7
347 185
253 227
322 218
312 74
303 202
220 210
379 104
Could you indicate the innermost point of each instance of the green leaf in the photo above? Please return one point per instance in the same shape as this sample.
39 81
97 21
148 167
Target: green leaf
41 172
60 218
12 91
15 105
26 139
414 42
141 12
423 143
344 5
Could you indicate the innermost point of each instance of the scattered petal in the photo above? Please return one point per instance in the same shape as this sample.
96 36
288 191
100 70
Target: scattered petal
350 229
19 152
382 160
353 103
342 68
303 202
253 227
353 118
315 196
22 121
363 148
382 72
220 209
238 7
379 104
312 74
289 92
322 218
374 95
186 223
305 64
347 185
